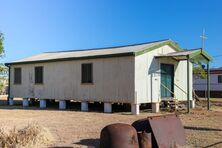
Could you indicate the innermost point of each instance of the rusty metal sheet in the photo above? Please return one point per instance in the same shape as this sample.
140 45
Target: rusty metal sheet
168 131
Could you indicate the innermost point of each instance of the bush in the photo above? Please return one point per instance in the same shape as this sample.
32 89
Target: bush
32 135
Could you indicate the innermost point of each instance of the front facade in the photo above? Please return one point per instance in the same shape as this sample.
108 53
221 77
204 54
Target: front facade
136 74
200 85
151 82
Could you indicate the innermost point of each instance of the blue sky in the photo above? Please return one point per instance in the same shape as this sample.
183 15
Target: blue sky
35 26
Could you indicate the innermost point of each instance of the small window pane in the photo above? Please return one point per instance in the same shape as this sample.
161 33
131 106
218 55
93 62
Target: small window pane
17 75
39 75
220 79
87 73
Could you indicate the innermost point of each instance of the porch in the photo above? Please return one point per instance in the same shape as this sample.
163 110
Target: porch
171 74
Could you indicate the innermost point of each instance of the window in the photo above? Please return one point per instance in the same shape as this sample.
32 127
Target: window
17 75
219 79
39 75
87 73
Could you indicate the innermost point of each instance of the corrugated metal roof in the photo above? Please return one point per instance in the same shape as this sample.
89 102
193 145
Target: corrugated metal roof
89 52
179 53
194 54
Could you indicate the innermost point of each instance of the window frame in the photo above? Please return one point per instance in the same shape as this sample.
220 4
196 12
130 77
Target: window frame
88 80
219 79
15 82
39 83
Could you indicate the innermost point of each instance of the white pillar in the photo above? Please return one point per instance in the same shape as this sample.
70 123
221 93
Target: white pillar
192 103
107 107
42 103
84 106
135 109
25 102
11 101
62 104
155 107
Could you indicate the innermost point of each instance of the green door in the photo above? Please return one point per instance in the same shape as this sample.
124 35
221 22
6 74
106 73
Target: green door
167 79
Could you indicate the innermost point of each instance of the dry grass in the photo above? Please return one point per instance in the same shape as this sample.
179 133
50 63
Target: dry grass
32 135
72 128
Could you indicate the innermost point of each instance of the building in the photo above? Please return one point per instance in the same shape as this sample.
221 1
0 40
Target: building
133 74
200 85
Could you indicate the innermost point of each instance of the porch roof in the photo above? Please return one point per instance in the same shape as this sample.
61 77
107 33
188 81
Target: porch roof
193 54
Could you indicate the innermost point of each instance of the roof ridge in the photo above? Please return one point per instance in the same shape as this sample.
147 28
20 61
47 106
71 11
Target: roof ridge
111 47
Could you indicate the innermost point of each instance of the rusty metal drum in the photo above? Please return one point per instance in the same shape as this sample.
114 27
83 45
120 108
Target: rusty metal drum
119 136
145 139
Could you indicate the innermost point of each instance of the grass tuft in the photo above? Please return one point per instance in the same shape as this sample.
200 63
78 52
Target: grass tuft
31 135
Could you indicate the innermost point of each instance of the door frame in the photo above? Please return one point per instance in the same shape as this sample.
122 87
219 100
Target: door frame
172 79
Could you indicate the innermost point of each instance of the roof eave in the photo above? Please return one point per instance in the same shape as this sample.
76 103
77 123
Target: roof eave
203 53
73 58
169 43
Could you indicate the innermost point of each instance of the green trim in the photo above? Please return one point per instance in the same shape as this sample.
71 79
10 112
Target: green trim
200 52
170 43
207 55
208 86
188 84
194 54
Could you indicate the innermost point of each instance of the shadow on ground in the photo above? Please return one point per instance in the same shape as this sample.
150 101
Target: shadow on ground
91 143
202 128
212 145
61 147
124 109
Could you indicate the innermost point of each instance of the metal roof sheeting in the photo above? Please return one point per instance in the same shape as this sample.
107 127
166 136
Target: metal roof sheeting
179 53
48 56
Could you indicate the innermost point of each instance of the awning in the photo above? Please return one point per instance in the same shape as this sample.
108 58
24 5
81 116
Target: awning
193 55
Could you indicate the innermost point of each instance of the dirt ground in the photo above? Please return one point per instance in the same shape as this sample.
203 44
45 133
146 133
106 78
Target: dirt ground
72 128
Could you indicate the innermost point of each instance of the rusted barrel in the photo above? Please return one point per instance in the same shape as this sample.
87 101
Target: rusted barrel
145 140
119 136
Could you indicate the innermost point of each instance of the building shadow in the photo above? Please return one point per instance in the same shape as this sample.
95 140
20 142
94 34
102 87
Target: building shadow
202 128
212 145
91 143
61 147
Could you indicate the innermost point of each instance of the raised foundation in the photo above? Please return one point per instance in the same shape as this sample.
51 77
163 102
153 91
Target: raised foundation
62 104
25 102
84 106
107 107
192 103
135 109
155 107
42 103
10 101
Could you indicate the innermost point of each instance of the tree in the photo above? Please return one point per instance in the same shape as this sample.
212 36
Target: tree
2 51
199 71
3 68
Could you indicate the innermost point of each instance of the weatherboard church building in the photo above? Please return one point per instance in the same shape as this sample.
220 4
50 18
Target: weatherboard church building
133 74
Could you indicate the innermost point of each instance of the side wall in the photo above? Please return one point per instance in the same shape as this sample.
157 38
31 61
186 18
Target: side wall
113 81
147 76
201 84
